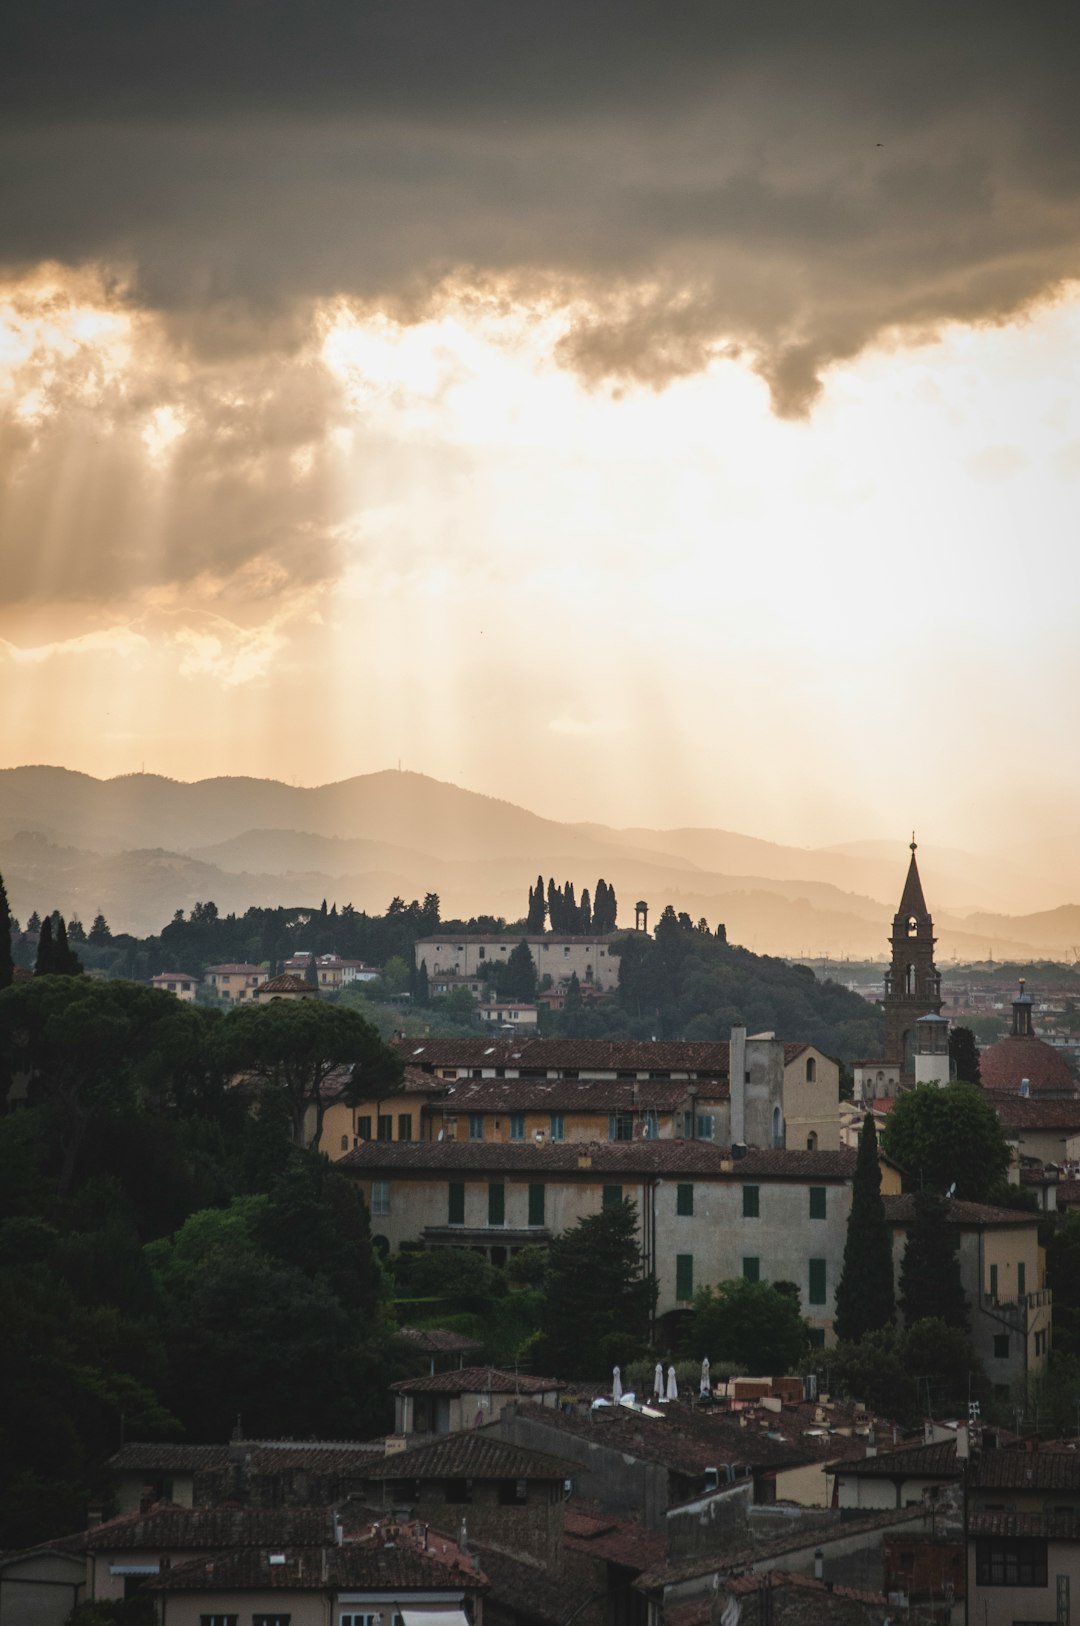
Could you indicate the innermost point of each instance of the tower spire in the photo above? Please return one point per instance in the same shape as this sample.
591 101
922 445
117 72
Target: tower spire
913 985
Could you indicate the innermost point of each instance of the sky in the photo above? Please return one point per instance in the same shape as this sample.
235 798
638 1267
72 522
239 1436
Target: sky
651 414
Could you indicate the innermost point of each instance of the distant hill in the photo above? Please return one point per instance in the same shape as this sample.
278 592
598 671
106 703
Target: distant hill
141 846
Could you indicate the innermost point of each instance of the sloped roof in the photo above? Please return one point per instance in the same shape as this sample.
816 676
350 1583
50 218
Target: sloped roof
529 1588
572 1094
1026 1470
316 1569
615 1541
263 1456
439 1340
287 984
167 1526
900 1210
1053 1526
1004 1063
912 901
671 1156
470 1455
1026 1112
914 1461
467 1380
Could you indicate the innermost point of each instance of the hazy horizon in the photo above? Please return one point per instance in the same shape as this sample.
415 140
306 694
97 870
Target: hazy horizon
651 420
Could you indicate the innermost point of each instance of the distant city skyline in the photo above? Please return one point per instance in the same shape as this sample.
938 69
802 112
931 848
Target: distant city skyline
650 423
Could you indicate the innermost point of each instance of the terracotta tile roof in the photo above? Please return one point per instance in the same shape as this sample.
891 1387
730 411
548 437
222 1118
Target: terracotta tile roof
1054 1526
474 1454
1026 1470
249 970
673 1156
1003 1064
1025 1112
168 1527
317 1569
286 984
529 1588
708 1563
595 1055
439 1340
572 1094
915 1461
468 1380
262 1456
615 1541
901 1211
1068 1193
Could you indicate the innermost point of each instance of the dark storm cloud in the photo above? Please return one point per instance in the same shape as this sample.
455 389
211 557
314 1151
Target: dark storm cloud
790 179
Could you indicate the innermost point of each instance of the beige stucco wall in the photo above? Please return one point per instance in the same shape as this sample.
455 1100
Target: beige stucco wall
812 1107
872 1494
1006 1605
41 1589
588 957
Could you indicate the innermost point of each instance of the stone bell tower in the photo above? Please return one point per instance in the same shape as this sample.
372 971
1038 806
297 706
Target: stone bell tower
912 983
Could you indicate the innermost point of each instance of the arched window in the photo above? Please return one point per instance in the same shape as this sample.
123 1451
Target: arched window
811 1069
777 1128
909 981
811 1142
912 926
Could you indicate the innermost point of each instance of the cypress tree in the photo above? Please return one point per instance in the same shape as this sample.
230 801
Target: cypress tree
865 1297
585 911
66 962
423 991
7 964
534 924
554 905
930 1282
964 1054
311 971
45 961
572 922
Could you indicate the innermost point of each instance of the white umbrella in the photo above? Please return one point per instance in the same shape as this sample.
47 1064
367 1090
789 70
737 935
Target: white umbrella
616 1385
672 1386
705 1387
658 1382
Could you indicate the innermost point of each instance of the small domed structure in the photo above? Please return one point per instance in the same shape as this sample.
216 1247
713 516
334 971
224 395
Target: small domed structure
1020 1057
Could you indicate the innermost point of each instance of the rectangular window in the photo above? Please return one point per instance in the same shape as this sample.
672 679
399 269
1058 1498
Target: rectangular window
404 1126
684 1199
816 1294
270 1620
1010 1561
380 1196
817 1202
558 1131
1001 1346
706 1126
496 1203
517 1126
751 1268
750 1205
816 1337
620 1126
456 1213
218 1620
684 1275
1021 1279
536 1203
993 1282
386 1126
476 1126
612 1197
363 1128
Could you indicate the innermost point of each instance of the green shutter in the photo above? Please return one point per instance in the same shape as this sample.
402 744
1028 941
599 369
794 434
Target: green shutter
817 1202
496 1203
817 1281
684 1199
751 1269
457 1203
612 1197
684 1275
993 1283
750 1202
1021 1279
536 1203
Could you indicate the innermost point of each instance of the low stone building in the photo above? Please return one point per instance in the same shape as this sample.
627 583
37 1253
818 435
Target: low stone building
447 1402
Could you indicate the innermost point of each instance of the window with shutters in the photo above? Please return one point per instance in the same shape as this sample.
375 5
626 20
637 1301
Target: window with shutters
611 1197
816 1294
750 1202
684 1199
476 1126
817 1202
456 1215
404 1126
1010 1561
380 1196
496 1203
386 1126
558 1131
517 1126
620 1126
1021 1279
684 1275
751 1268
363 1128
536 1203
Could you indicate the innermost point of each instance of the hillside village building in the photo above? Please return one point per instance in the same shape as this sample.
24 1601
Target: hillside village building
587 957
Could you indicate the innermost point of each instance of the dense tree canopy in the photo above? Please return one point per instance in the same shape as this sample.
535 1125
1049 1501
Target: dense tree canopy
930 1284
753 1325
598 1301
948 1136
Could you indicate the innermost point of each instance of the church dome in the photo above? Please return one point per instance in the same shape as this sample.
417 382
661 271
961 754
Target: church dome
1005 1063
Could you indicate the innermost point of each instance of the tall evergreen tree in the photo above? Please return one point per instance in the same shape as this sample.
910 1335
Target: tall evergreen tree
65 962
964 1055
930 1283
570 905
537 908
585 911
554 905
598 1298
34 923
7 964
865 1297
423 990
519 981
311 971
45 961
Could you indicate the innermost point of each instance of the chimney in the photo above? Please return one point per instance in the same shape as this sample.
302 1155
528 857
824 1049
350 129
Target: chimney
737 1084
